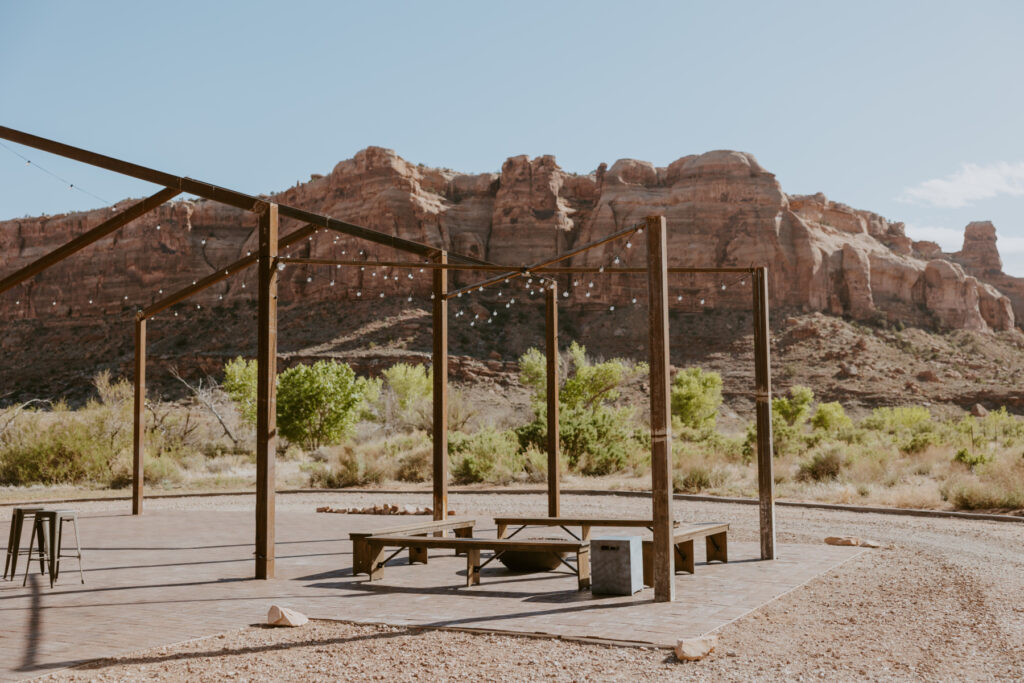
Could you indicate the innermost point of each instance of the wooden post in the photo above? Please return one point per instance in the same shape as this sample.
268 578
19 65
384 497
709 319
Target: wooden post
551 349
440 360
266 396
763 403
138 416
661 430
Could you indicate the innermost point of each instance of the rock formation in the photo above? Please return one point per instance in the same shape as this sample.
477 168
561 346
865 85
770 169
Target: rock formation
722 208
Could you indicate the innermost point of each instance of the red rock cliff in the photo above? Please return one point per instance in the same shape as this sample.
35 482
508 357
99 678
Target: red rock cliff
722 208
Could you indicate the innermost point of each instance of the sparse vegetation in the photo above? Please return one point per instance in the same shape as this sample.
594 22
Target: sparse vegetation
340 430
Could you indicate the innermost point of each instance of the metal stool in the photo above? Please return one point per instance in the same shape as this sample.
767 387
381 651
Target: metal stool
18 516
49 525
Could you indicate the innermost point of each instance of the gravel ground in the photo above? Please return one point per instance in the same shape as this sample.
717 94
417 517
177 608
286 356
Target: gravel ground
943 599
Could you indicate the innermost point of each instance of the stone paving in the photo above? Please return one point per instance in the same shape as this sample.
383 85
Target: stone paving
173 575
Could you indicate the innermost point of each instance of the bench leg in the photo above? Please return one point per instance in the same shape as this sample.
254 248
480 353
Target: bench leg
375 559
463 533
684 556
417 555
717 547
360 562
583 568
502 528
584 533
473 567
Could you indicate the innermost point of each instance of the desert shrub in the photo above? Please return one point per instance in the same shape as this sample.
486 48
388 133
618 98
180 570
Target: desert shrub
318 404
696 396
998 485
156 471
401 398
346 468
970 459
595 436
899 420
793 409
830 417
416 464
239 383
489 455
697 478
822 467
919 442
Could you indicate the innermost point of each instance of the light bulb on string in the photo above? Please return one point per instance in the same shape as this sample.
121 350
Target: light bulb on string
565 294
702 302
359 293
280 266
332 283
611 308
629 245
723 286
309 278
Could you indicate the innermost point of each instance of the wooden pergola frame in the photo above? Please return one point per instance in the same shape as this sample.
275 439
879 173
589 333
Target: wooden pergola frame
267 258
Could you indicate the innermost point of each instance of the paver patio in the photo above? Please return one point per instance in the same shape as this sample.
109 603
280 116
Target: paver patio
172 575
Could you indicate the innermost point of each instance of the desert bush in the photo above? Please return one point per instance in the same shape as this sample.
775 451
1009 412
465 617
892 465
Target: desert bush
488 455
416 464
793 409
347 468
595 436
995 485
822 466
899 420
969 458
239 383
830 417
698 478
696 396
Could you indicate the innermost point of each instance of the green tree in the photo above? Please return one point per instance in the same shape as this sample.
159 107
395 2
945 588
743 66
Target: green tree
794 408
318 404
696 396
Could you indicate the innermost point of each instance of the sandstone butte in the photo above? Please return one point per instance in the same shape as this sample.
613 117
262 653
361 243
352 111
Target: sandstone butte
722 208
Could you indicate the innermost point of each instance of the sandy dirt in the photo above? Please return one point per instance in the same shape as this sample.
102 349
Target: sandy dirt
941 599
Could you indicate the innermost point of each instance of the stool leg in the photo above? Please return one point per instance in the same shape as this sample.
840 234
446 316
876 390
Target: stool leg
12 544
42 543
78 545
57 545
31 546
54 542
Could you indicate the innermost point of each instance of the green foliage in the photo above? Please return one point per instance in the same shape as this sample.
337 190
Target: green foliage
240 385
899 420
971 460
822 466
695 397
830 417
489 455
318 404
348 468
401 398
793 409
596 437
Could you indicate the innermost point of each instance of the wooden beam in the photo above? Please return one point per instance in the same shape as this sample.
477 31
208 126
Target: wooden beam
763 405
440 361
661 429
266 398
139 417
87 238
551 350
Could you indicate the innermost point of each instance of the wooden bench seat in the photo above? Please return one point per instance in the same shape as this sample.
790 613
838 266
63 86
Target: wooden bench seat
463 528
585 524
715 536
377 545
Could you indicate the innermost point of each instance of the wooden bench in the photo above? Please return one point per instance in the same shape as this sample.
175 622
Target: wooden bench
377 551
585 524
715 536
463 528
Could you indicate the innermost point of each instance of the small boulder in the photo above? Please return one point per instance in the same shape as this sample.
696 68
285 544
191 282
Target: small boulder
848 370
927 376
868 543
282 616
842 540
978 410
693 649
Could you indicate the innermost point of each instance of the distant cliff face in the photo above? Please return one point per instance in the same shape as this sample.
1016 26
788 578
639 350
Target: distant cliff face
722 209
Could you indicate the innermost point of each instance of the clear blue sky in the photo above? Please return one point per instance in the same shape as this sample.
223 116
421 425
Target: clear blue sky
910 109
